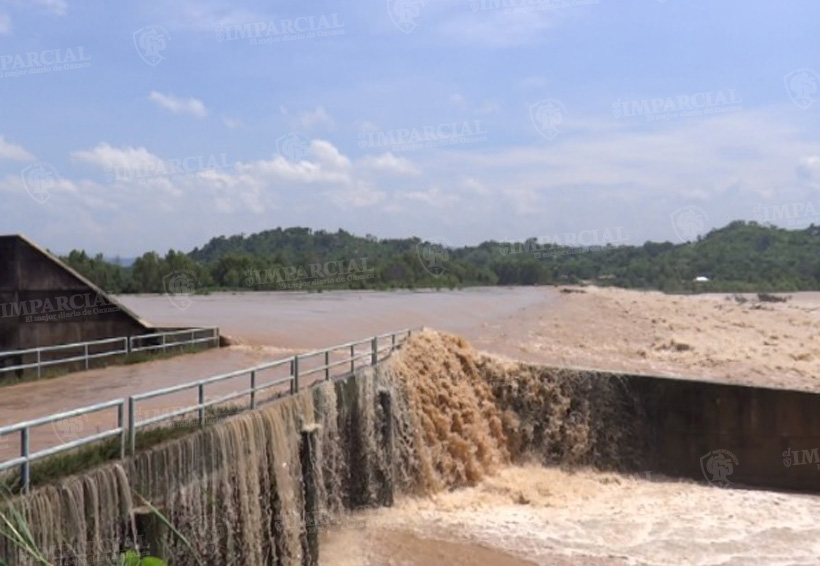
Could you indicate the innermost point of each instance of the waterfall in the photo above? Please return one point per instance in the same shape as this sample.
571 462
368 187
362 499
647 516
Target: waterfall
235 489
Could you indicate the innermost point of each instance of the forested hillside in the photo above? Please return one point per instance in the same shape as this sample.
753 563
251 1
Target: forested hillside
739 257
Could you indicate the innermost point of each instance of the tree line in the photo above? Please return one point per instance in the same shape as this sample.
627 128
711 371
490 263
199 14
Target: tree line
742 256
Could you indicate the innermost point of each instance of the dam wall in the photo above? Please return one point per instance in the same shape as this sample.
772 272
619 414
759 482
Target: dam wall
254 489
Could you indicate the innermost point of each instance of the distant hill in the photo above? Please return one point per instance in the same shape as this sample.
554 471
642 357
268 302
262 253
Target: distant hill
742 256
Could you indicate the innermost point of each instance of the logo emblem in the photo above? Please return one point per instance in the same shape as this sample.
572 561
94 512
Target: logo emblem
434 256
150 42
405 13
293 146
802 86
546 116
38 179
689 222
787 457
71 429
717 466
179 285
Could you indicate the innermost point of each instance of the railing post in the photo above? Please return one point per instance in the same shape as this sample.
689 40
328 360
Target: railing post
128 346
86 355
132 430
201 404
392 343
163 342
374 355
253 389
193 333
294 384
352 358
39 367
121 426
25 467
216 336
327 364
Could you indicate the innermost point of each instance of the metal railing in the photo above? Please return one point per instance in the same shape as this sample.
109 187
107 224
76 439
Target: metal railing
347 356
84 352
27 457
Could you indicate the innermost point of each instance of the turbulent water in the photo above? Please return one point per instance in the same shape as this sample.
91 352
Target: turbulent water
236 490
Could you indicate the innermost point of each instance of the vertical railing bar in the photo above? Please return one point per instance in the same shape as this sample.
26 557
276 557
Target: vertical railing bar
132 429
121 426
374 354
352 358
327 364
86 355
39 367
294 385
25 467
201 404
253 389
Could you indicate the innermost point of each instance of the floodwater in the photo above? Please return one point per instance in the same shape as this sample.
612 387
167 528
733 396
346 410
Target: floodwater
546 516
313 320
522 516
268 326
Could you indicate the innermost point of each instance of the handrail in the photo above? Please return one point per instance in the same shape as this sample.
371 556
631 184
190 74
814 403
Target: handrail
128 432
127 347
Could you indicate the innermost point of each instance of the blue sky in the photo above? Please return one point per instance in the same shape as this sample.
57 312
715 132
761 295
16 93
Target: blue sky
495 123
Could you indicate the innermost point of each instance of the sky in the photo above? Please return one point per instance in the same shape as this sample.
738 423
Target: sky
129 127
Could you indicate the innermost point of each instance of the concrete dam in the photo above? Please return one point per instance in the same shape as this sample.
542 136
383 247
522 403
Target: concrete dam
260 487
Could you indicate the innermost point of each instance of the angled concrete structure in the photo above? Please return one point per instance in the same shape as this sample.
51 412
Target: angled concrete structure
43 302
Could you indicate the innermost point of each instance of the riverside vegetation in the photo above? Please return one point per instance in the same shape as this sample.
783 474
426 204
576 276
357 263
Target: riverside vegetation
740 257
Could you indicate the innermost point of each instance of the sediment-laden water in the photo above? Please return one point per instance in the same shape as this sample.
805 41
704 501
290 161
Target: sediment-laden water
435 417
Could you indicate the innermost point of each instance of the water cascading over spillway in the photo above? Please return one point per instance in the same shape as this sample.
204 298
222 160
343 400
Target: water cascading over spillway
236 491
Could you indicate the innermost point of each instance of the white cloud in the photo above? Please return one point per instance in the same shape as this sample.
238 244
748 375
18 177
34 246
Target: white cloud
361 195
309 120
104 155
231 123
177 105
389 163
13 151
